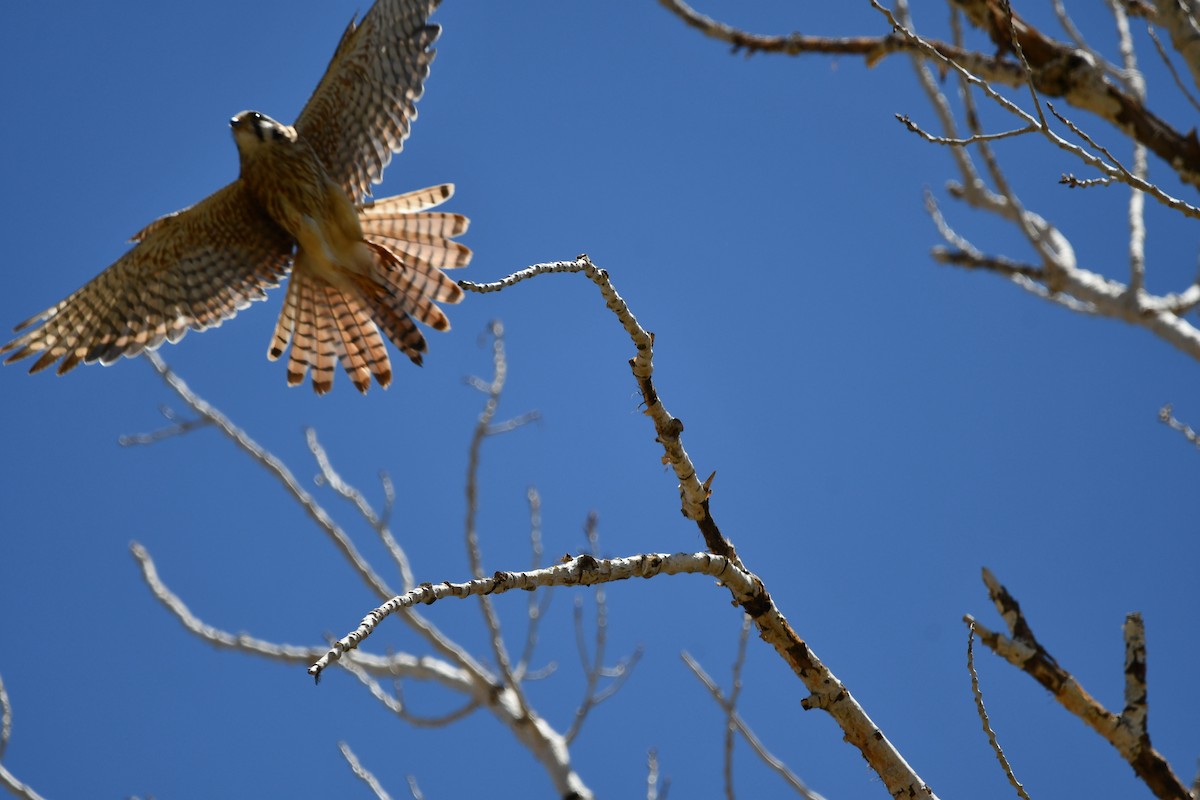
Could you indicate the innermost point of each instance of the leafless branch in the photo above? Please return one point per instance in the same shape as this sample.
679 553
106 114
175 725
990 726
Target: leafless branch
827 692
1038 121
315 511
178 427
1166 415
983 716
395 702
1055 69
1170 65
792 44
752 739
1137 200
424 668
493 389
278 469
584 570
593 665
962 142
539 602
1125 731
456 668
378 522
362 773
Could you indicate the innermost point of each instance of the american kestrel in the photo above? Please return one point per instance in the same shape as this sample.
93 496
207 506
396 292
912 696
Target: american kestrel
359 268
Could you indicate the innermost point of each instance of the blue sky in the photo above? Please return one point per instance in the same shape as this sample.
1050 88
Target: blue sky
881 426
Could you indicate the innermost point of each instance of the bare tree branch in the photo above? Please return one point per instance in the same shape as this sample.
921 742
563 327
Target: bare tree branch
458 669
474 552
1059 279
178 427
395 702
793 780
1125 731
1056 69
316 512
827 692
730 704
584 570
378 522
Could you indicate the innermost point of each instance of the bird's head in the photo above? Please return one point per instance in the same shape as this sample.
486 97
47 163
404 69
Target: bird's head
252 130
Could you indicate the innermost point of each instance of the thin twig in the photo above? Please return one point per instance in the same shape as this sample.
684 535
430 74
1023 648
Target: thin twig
752 739
962 142
474 551
1166 415
1166 59
792 44
1077 38
998 264
1072 182
377 521
177 427
362 773
422 668
983 716
539 602
593 665
730 704
395 702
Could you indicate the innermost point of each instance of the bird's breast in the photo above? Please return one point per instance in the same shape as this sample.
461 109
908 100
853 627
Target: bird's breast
291 185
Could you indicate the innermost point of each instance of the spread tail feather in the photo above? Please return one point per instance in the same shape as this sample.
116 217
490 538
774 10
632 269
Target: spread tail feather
396 280
322 324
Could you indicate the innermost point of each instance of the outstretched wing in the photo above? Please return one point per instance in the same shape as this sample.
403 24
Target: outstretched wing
191 269
361 110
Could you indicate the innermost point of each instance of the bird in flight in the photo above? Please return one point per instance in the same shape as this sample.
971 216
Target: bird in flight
361 269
